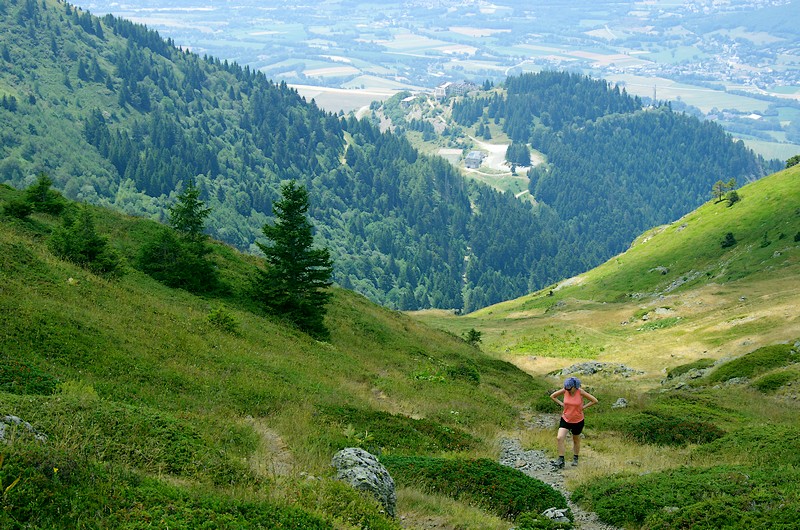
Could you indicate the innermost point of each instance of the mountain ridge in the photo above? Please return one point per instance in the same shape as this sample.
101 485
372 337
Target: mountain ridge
118 116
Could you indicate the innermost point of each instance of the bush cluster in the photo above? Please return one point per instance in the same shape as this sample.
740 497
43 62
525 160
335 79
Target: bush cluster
772 382
756 362
661 429
699 364
397 432
17 377
763 445
351 506
717 497
56 491
535 521
223 320
136 436
465 371
505 491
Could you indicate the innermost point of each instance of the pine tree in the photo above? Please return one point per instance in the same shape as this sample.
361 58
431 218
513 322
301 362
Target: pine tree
188 215
180 260
294 284
77 240
42 198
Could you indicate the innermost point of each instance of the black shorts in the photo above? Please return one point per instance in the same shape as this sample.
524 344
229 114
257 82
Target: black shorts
574 428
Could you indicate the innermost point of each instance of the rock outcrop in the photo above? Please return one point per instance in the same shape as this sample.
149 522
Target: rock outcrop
364 472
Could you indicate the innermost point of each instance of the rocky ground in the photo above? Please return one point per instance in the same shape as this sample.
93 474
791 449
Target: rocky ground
536 464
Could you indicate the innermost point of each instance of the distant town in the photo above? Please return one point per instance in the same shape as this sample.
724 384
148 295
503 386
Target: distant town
736 61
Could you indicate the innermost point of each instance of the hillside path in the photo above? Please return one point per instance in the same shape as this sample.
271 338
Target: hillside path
536 464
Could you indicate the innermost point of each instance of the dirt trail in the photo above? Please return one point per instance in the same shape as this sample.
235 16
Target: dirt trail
536 464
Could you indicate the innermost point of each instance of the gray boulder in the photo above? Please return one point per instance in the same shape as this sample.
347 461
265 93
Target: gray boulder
363 472
556 515
8 423
621 403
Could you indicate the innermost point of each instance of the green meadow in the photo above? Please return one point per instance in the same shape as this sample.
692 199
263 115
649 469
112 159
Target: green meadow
165 408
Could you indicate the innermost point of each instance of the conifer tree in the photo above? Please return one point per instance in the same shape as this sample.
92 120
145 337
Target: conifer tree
180 260
188 214
77 240
294 283
42 198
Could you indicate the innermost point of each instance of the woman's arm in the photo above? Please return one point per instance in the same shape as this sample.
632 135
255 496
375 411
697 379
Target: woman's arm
554 396
592 400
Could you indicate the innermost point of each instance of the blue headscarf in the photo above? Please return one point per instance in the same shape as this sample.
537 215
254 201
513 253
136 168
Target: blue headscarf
572 382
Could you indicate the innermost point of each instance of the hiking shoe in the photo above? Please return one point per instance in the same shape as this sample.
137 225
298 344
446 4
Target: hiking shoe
557 464
574 463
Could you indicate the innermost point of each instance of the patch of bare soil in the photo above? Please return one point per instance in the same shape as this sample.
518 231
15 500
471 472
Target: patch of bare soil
273 457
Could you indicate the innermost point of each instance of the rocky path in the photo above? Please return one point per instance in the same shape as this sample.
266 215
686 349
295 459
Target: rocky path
536 464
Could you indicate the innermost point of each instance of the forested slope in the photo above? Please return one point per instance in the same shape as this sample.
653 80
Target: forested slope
614 167
118 116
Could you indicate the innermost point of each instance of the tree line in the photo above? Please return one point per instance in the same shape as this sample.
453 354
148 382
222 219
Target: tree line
291 286
120 117
614 168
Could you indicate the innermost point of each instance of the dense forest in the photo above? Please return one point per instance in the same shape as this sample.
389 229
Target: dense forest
118 116
614 167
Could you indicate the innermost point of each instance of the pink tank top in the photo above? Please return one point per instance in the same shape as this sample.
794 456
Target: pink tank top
573 407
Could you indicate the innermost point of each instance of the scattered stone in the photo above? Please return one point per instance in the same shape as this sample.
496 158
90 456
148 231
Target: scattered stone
364 472
557 515
14 421
537 465
737 381
692 275
620 403
594 367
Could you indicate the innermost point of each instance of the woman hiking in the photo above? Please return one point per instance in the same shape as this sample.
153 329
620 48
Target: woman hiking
572 417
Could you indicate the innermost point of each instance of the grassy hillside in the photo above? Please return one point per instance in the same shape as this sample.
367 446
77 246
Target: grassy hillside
676 295
714 336
163 407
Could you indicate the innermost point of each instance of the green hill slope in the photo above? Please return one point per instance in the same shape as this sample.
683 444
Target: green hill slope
709 339
165 407
119 117
676 295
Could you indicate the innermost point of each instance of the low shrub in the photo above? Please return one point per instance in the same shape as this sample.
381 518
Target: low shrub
47 488
221 319
535 521
357 509
505 491
396 432
761 445
465 371
654 429
543 403
717 497
17 377
17 208
699 364
756 362
772 382
747 511
136 436
662 323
